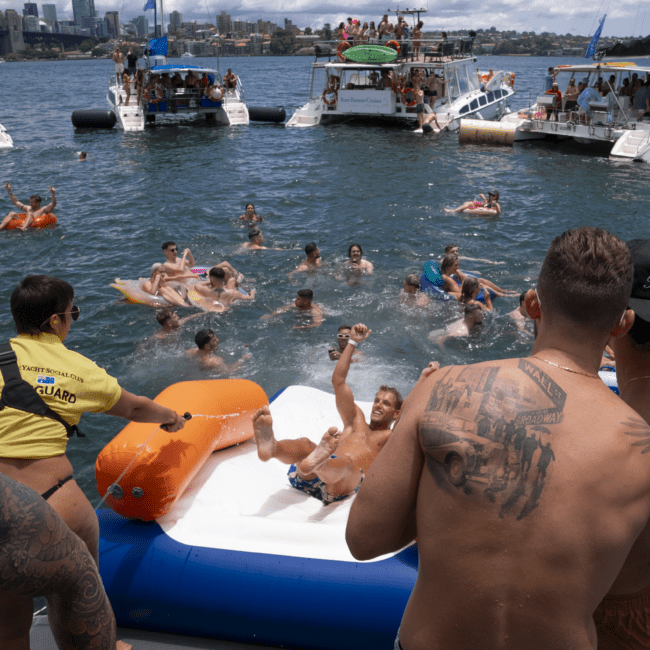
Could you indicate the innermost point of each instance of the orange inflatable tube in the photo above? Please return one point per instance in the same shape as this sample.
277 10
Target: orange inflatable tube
44 221
159 465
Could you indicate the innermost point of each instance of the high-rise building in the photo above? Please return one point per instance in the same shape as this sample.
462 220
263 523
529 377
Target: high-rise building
49 13
239 26
91 9
141 25
30 9
224 23
80 9
175 21
112 19
31 24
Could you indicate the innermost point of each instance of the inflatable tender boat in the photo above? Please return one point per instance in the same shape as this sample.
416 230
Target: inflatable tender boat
243 556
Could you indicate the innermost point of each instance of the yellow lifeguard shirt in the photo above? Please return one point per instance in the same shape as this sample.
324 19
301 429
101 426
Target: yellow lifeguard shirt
69 384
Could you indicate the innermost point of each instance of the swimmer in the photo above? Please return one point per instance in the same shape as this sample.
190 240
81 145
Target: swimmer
410 295
313 261
170 322
520 315
157 285
342 339
250 214
215 287
473 316
355 263
207 344
82 156
303 305
232 277
32 210
452 249
255 241
173 266
491 203
469 291
334 469
450 267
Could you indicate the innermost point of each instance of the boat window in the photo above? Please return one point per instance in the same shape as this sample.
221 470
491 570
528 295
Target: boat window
474 105
490 96
498 93
464 109
318 83
452 85
482 100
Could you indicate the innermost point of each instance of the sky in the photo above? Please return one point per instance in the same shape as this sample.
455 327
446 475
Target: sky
625 18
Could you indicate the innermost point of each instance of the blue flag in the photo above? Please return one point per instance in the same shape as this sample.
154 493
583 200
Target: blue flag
151 4
591 50
158 46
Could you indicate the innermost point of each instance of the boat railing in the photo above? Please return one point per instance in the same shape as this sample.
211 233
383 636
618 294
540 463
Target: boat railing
434 49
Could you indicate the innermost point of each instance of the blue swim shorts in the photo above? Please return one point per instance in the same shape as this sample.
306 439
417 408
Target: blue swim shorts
316 488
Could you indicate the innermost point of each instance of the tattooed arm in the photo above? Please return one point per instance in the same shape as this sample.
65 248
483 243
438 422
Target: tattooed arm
382 516
41 556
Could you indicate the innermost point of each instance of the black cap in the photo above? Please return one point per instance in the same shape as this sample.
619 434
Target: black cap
640 299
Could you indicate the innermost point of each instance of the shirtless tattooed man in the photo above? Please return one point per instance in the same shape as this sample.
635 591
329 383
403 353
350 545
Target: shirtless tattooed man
523 480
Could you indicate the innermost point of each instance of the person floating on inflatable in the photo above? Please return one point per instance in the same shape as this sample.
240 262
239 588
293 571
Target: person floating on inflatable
489 206
29 212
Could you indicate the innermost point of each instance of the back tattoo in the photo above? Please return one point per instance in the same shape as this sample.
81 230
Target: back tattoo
487 430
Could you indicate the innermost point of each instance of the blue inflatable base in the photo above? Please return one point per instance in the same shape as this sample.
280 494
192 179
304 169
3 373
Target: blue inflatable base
156 583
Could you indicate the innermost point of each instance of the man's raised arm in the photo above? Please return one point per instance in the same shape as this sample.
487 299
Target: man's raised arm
48 208
382 516
344 398
14 200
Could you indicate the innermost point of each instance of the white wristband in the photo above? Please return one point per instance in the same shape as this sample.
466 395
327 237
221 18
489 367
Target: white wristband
352 343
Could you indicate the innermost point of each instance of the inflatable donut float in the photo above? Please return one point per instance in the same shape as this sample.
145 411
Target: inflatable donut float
44 221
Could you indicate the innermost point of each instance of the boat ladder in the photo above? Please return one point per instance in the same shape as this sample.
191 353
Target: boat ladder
632 144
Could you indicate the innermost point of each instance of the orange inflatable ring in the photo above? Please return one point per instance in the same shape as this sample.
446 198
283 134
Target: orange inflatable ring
395 46
329 102
335 83
44 221
403 91
343 45
159 465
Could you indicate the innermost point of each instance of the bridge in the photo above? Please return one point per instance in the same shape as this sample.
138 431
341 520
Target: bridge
67 41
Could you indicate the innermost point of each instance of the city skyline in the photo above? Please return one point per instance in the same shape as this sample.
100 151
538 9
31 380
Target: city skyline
627 18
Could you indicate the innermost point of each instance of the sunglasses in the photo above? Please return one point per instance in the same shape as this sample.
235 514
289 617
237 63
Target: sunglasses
75 312
343 336
172 250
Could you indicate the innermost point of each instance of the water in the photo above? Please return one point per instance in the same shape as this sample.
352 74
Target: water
384 188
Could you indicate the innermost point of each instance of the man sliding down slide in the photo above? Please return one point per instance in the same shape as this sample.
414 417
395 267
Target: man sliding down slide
334 469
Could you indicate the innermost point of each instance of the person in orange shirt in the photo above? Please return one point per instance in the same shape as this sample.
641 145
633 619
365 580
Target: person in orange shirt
551 111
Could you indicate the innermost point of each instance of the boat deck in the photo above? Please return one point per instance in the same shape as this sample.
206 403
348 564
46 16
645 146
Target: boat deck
41 639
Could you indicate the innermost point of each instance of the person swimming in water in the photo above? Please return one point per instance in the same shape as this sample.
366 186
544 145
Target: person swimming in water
303 305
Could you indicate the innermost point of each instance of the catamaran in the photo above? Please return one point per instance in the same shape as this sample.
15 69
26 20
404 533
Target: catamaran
200 91
376 82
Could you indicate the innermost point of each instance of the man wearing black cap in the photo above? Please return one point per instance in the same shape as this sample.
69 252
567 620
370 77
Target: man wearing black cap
623 617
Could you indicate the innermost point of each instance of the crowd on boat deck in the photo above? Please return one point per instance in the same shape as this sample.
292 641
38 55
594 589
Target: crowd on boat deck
632 92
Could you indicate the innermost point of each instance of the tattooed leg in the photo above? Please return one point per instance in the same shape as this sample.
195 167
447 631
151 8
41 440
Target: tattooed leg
41 556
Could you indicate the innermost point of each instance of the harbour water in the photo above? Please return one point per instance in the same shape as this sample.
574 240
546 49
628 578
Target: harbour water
384 188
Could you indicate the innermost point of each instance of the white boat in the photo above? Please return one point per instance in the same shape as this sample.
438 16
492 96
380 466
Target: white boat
609 122
187 55
342 89
5 139
230 109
